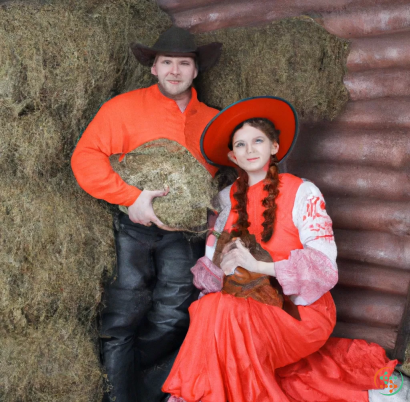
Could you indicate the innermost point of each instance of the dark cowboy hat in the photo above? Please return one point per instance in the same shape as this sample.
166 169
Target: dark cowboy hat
215 137
178 42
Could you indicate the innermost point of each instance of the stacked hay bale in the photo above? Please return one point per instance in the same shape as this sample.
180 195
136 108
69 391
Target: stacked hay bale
59 62
294 58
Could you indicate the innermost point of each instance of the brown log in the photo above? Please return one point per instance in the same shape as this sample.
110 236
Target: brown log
173 6
338 142
368 307
205 16
378 113
374 248
355 181
226 14
378 83
384 51
370 215
375 277
385 337
367 21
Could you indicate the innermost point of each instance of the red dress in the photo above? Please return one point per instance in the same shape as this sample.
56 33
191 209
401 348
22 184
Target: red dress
241 350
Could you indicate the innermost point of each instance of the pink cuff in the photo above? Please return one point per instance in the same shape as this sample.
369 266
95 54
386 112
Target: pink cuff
208 278
306 276
176 399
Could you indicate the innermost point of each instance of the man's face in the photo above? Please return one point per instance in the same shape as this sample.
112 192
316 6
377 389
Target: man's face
175 74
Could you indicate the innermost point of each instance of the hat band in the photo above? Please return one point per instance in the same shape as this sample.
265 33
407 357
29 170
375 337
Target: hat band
176 54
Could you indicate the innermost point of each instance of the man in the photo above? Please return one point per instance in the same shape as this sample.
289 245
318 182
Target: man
145 317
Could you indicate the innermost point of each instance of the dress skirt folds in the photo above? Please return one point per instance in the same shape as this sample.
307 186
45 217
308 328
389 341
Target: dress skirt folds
240 350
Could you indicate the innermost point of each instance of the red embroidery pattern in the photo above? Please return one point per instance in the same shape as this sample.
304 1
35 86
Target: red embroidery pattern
322 224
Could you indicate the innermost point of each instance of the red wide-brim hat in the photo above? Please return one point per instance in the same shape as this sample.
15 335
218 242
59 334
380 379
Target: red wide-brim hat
215 137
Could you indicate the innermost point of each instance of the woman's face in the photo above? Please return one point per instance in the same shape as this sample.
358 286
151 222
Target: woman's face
252 149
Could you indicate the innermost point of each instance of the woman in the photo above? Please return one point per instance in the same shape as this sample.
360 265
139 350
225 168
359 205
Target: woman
241 350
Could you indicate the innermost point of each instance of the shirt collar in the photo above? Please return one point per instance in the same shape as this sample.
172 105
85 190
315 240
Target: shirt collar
192 106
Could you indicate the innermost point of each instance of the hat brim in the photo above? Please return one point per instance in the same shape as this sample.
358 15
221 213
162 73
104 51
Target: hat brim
144 54
208 55
215 137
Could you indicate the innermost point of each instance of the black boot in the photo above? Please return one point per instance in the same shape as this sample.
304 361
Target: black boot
150 380
119 321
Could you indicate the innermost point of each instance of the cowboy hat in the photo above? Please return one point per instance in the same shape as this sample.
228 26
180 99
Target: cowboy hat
178 42
215 137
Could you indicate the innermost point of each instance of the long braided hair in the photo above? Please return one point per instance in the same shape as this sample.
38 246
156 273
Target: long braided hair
271 182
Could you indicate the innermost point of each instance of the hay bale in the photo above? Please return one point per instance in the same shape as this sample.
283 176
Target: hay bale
164 163
60 62
57 69
66 59
57 244
57 362
295 58
32 160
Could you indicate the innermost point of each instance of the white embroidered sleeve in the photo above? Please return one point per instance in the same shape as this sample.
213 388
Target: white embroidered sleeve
312 271
224 202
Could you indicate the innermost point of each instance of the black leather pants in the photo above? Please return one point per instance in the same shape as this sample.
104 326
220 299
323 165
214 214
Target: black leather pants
145 315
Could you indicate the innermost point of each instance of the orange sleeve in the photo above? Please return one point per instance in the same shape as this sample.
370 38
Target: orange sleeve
90 161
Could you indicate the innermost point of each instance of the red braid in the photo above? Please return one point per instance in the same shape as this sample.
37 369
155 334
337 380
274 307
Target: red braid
241 196
271 186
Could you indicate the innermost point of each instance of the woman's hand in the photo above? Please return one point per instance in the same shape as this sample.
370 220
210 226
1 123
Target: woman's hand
237 257
240 256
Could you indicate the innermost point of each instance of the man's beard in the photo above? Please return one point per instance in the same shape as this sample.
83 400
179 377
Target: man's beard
174 95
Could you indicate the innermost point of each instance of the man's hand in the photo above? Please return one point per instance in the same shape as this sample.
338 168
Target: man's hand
142 212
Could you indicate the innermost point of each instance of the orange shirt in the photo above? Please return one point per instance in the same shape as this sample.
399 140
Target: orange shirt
123 124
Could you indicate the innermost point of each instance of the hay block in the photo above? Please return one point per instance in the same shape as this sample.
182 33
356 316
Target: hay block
59 63
56 362
295 59
57 243
162 163
32 146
